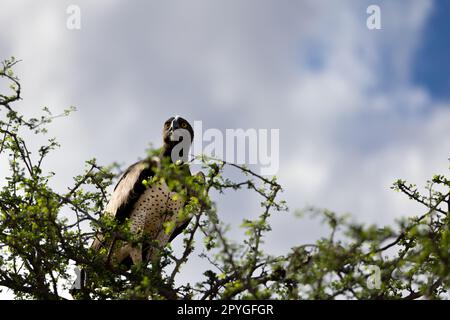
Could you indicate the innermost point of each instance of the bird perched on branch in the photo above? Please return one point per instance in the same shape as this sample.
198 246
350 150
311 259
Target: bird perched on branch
150 206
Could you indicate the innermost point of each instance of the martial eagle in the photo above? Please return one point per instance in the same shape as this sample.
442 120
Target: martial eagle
148 207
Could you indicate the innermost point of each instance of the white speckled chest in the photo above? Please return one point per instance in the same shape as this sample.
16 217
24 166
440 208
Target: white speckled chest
154 207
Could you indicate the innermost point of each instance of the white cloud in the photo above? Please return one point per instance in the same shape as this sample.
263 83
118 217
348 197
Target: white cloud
351 120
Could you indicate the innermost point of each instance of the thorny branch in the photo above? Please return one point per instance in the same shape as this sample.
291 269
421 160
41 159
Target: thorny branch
43 233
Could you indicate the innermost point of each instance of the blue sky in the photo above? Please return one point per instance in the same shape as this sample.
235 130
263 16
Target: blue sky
357 109
432 62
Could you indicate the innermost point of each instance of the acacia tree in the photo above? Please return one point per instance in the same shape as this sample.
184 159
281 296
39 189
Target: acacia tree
43 233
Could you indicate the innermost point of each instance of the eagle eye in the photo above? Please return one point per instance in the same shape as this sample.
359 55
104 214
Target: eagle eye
184 125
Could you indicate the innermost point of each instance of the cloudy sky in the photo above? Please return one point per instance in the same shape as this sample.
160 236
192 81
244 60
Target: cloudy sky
356 108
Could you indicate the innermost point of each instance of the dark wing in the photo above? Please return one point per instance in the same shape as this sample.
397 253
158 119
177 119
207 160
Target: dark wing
179 230
125 194
129 189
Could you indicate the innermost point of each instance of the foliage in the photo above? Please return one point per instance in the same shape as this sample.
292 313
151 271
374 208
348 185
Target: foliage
43 233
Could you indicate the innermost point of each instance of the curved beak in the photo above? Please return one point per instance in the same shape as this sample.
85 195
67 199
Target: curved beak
174 125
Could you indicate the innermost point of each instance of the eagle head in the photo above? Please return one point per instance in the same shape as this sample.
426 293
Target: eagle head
171 125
